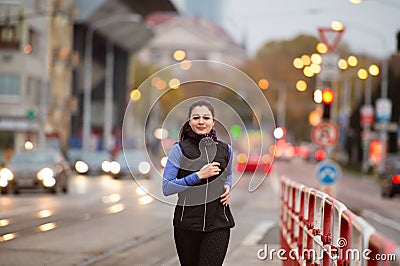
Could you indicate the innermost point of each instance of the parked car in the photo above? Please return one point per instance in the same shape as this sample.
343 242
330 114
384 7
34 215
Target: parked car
390 177
86 161
129 162
36 169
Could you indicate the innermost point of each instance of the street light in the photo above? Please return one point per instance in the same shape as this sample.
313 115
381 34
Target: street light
367 110
87 101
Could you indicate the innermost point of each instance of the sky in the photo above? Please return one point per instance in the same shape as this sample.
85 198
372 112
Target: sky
370 27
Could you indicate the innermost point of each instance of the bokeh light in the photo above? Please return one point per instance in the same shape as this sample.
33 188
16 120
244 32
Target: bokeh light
362 73
298 63
306 60
322 48
135 95
28 49
301 85
308 72
179 55
373 70
316 59
342 64
315 68
263 84
185 65
174 83
352 60
337 25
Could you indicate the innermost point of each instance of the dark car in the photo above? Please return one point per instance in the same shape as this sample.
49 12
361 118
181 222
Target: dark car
36 169
138 164
390 177
87 161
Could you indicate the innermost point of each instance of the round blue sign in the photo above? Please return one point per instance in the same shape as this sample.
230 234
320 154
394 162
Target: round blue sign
328 172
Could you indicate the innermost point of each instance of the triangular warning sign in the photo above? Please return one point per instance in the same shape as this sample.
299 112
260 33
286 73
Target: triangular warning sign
330 37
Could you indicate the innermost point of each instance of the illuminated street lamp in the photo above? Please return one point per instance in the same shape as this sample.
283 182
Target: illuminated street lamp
316 59
301 85
135 95
373 70
352 61
342 64
179 55
337 26
322 48
298 63
367 110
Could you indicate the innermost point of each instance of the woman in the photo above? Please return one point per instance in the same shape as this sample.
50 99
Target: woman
199 169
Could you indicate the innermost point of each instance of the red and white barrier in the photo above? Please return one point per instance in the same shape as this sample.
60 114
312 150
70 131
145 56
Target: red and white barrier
317 229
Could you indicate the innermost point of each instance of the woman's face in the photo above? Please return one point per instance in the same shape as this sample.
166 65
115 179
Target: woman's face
201 120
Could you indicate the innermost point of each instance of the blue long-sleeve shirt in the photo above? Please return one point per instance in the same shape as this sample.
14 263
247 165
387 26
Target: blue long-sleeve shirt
172 185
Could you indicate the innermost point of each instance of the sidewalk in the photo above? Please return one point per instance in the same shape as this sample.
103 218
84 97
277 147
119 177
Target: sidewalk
256 247
247 255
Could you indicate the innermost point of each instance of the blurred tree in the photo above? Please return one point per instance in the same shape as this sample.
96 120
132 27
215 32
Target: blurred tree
274 62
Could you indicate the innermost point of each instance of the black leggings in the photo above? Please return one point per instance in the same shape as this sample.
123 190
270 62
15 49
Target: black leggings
201 248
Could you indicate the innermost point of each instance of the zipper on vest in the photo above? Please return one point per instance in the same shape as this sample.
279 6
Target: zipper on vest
205 199
183 208
205 208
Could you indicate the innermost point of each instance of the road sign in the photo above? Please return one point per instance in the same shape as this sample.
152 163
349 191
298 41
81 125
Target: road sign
328 172
325 134
329 69
385 126
383 109
366 115
330 37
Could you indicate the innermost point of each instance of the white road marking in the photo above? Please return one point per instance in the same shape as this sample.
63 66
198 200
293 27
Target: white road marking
258 233
380 219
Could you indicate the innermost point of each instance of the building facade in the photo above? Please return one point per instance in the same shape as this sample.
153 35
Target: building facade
35 72
200 38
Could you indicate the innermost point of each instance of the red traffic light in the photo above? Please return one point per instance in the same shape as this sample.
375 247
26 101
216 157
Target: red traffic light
327 96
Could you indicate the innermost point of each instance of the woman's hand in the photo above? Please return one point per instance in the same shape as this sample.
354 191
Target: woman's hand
209 170
227 194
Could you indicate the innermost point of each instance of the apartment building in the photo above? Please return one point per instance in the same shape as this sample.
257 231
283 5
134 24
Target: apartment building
36 62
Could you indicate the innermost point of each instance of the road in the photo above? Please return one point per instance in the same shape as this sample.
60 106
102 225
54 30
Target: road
103 221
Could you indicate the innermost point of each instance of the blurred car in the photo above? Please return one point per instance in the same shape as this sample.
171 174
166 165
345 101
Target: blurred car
390 177
138 164
253 162
284 150
36 169
86 161
312 153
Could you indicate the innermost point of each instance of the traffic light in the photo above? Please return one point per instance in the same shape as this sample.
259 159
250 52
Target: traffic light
327 100
317 97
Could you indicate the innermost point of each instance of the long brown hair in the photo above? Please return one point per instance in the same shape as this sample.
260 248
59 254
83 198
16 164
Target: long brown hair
186 127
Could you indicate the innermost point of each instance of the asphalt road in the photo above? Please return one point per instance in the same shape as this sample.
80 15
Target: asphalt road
102 221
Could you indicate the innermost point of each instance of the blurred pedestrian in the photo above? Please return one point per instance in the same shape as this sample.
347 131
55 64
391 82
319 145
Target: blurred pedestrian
199 169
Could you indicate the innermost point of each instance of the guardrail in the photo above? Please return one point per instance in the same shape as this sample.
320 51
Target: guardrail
316 229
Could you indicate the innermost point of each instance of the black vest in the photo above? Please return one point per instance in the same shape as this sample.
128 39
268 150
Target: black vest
199 207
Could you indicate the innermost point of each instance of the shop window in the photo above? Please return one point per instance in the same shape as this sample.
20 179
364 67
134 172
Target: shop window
9 85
